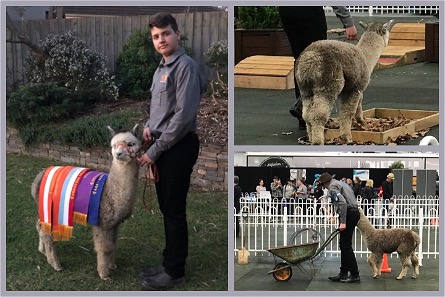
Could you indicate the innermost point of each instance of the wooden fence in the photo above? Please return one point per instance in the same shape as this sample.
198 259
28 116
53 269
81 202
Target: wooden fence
108 35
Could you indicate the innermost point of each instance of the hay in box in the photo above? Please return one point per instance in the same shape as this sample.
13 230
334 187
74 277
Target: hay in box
384 126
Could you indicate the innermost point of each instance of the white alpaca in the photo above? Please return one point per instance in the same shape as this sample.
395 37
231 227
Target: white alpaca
380 241
331 69
118 199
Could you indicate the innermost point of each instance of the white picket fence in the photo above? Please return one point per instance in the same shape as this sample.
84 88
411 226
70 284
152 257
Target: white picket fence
266 223
373 10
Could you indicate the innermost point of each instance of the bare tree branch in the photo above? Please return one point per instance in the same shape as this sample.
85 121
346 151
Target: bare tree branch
23 39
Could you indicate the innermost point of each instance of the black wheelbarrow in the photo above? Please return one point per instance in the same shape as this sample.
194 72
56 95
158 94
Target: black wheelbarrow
295 255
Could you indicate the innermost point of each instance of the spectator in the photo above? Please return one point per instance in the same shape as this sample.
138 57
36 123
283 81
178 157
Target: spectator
302 195
276 188
289 193
357 187
260 187
368 194
388 197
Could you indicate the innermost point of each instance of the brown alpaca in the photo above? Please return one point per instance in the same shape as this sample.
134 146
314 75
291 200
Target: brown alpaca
380 241
118 199
331 69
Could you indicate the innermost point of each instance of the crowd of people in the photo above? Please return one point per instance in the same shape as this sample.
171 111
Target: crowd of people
343 194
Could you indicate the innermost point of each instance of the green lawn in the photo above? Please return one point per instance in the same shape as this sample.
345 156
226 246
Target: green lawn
140 242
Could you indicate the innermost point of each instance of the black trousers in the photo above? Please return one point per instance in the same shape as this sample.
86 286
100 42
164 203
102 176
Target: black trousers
303 25
348 260
174 168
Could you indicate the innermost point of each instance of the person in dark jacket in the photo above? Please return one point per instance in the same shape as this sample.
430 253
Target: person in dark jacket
388 196
368 194
357 187
237 193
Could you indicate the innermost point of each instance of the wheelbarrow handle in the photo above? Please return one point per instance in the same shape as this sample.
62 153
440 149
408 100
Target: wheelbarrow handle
325 244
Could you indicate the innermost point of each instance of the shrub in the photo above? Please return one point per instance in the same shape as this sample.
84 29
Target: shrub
84 132
35 105
258 17
137 63
216 58
71 64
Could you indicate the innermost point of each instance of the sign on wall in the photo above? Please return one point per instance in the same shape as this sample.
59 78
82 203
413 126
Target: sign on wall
363 174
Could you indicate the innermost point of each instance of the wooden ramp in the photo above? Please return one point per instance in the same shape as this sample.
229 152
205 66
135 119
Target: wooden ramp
406 46
265 72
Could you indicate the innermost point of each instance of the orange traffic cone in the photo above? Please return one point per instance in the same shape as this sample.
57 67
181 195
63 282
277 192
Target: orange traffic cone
385 267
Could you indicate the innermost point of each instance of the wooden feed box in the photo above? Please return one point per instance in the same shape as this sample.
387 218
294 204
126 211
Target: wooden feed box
421 120
265 72
406 45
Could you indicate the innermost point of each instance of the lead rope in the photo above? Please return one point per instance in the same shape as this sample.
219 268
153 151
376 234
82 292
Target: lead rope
154 170
151 168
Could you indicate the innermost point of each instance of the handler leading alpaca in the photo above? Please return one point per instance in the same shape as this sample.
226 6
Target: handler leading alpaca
331 69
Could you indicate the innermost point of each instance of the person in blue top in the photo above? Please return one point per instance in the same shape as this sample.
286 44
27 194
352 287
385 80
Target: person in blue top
175 97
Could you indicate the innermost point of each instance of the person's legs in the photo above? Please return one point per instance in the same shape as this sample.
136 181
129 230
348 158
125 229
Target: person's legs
348 260
303 25
174 169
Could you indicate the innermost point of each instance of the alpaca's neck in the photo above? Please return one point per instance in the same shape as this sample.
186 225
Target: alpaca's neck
365 226
372 46
124 175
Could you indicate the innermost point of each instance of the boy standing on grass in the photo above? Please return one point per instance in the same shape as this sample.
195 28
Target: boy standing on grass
176 92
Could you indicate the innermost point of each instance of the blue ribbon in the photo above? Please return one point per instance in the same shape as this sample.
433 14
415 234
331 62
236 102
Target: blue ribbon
96 195
63 193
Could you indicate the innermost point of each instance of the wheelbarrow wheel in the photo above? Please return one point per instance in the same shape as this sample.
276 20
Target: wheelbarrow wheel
283 274
307 235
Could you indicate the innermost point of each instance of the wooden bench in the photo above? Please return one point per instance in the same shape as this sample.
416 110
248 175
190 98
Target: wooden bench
265 72
406 46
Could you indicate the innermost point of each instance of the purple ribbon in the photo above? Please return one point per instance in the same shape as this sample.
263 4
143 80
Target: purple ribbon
83 194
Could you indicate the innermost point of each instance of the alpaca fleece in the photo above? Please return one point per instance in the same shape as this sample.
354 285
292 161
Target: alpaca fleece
379 241
116 205
331 69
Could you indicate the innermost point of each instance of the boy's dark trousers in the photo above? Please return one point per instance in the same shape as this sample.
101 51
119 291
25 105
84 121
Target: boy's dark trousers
174 168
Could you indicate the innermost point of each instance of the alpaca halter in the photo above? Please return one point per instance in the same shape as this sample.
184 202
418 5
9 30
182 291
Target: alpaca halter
127 149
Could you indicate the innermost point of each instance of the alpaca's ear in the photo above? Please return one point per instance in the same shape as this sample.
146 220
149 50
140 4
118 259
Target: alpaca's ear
135 130
365 26
111 131
388 25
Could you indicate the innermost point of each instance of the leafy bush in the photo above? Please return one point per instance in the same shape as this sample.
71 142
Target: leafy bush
258 17
71 64
84 132
137 63
35 105
216 58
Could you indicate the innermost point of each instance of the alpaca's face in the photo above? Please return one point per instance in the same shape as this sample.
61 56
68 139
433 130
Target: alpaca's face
124 146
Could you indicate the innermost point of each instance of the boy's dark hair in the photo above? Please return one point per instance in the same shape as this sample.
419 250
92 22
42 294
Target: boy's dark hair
162 20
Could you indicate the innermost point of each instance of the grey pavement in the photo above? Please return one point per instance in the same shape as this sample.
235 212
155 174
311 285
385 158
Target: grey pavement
314 277
261 116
